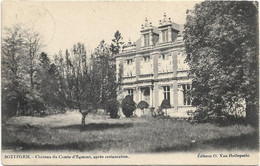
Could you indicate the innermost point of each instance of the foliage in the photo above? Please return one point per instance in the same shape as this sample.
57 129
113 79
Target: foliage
112 106
32 84
117 43
80 86
88 82
12 52
221 40
165 104
20 51
48 85
106 72
128 106
142 105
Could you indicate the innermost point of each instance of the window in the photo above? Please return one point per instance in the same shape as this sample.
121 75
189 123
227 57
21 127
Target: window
146 58
166 92
165 35
146 40
129 61
163 56
186 94
131 92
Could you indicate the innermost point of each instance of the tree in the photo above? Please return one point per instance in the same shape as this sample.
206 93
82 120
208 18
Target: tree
20 60
32 45
115 78
165 104
104 63
112 106
101 63
48 84
128 106
84 94
221 40
142 105
86 83
13 92
116 43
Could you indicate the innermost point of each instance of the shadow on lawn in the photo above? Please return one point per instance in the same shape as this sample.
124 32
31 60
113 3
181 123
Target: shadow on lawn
95 126
242 142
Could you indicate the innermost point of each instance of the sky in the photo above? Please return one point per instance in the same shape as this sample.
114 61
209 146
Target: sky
62 24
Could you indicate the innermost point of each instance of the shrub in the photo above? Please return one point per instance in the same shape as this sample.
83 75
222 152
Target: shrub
204 115
142 105
36 108
112 107
128 106
165 104
201 114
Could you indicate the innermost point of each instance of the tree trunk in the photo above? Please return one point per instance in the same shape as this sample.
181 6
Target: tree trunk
83 123
251 113
18 108
31 80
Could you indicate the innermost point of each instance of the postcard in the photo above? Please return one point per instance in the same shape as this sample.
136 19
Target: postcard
130 83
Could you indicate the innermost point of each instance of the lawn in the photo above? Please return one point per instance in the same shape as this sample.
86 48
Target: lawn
130 135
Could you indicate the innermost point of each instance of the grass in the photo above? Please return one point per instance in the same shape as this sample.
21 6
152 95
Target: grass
134 135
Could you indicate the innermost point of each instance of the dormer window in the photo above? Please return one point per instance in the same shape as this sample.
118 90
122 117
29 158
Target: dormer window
129 61
146 40
165 35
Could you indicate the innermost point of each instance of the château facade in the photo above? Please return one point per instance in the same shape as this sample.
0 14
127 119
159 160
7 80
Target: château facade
154 67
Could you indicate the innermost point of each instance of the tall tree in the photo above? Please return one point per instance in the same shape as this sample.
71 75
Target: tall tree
12 75
101 63
20 50
116 43
221 39
116 75
49 84
80 85
32 45
105 63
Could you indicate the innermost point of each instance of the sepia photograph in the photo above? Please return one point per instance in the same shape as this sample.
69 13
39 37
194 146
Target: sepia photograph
130 82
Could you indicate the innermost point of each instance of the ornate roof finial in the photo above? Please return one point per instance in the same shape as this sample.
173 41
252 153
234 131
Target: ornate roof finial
142 26
146 22
170 20
129 42
164 18
151 24
160 22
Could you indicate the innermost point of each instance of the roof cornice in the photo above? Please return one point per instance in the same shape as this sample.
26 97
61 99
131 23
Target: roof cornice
154 48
